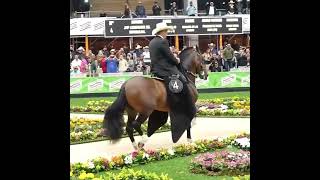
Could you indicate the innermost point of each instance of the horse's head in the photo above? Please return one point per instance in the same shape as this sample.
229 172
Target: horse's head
193 62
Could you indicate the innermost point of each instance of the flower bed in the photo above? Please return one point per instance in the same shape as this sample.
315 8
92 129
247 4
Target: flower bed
212 107
222 163
142 157
125 174
86 130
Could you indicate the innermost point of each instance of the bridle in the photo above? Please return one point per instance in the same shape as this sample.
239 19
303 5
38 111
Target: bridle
195 76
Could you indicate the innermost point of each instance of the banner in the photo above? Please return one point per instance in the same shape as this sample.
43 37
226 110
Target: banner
87 26
113 83
202 25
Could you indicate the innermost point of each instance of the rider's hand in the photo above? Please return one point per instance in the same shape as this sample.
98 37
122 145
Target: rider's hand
178 59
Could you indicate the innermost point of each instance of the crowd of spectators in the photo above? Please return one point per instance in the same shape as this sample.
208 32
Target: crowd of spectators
232 7
231 56
211 8
110 61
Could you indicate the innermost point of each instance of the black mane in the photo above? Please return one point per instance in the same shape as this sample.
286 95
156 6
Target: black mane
185 57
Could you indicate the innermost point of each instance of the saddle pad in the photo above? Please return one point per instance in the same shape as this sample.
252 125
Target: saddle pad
157 78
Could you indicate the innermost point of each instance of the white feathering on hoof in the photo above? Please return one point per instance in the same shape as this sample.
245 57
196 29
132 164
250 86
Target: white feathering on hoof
135 146
193 122
144 139
191 142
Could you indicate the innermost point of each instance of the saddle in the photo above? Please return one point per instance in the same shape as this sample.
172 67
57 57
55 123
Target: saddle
174 84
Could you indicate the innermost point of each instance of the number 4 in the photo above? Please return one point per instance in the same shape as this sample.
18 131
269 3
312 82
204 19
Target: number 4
175 85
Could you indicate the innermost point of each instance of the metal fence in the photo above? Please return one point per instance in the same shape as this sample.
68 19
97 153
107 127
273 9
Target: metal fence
119 14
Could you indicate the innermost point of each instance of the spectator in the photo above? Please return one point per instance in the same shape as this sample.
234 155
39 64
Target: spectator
93 65
103 63
75 70
146 55
84 65
214 67
239 6
242 59
137 52
174 10
224 5
127 11
225 43
248 7
228 54
207 56
105 51
131 63
231 7
140 64
140 10
235 45
125 48
213 48
211 10
80 52
123 64
120 52
156 9
191 10
112 62
76 62
247 54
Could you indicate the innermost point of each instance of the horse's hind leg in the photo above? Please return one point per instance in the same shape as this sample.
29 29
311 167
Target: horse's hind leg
189 134
129 128
137 126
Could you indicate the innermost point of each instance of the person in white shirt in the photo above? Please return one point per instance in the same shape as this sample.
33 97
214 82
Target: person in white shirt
211 9
76 62
123 64
191 10
146 55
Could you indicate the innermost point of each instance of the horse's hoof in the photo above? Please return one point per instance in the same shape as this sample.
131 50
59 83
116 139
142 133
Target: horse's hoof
189 141
140 145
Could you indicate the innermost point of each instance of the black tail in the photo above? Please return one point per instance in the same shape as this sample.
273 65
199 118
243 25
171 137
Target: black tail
113 117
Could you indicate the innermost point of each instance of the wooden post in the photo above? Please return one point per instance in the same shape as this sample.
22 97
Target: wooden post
177 42
221 43
87 45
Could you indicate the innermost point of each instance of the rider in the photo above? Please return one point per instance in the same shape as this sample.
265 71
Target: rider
163 61
164 65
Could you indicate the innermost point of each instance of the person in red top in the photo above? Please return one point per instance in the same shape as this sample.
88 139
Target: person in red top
103 64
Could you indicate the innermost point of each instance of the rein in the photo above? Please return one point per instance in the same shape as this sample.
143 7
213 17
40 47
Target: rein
195 76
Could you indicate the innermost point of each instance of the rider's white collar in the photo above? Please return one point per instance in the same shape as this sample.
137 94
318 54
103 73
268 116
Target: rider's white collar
160 36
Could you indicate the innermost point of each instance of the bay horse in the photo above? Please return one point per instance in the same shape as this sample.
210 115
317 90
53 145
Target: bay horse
144 96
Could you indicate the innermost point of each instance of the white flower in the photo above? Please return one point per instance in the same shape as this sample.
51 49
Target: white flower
90 165
202 108
243 142
89 132
220 139
171 152
128 159
223 107
145 155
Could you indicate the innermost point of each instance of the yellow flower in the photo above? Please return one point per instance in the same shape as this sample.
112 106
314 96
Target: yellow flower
83 176
90 175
